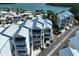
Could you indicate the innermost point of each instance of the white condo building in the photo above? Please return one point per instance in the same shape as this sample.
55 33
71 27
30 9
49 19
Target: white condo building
47 29
65 19
19 39
35 33
24 37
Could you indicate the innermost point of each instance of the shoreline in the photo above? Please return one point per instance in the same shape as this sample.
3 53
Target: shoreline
63 4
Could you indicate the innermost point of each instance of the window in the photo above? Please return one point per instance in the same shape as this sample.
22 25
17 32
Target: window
33 30
47 35
67 24
47 30
61 27
34 36
62 21
65 21
19 39
63 24
68 18
21 46
36 31
21 52
38 36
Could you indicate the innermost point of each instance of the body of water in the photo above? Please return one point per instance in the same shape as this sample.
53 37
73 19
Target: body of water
34 6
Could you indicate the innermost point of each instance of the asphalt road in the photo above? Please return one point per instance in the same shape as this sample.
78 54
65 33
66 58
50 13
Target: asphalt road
51 50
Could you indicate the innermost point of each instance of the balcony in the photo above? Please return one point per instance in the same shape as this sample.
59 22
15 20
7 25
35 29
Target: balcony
36 31
21 46
19 40
37 37
22 53
47 31
36 43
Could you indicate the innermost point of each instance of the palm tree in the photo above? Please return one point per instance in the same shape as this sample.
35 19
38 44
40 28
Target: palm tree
8 9
49 13
8 19
38 12
17 11
44 16
53 17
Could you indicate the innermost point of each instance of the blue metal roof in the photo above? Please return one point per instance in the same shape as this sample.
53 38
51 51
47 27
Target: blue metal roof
65 52
75 41
60 16
64 15
68 51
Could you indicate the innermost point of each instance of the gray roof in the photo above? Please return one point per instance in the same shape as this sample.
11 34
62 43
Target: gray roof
47 23
28 24
3 28
36 24
11 30
65 52
68 51
64 15
20 22
3 40
24 32
77 32
40 19
75 41
60 16
33 24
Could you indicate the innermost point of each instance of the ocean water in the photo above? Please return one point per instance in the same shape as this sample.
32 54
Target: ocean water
34 6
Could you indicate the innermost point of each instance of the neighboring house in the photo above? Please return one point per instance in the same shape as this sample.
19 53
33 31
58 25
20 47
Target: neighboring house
5 48
73 48
68 51
65 19
16 18
47 29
